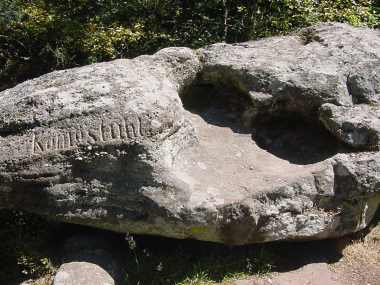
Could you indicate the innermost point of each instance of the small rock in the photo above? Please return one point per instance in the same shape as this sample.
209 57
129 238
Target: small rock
82 273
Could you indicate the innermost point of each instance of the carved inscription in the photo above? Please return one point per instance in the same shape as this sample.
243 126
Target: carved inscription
105 131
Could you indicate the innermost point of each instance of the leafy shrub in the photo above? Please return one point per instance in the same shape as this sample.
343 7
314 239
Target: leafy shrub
23 248
42 35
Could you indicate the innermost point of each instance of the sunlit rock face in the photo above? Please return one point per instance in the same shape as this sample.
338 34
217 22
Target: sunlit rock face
276 139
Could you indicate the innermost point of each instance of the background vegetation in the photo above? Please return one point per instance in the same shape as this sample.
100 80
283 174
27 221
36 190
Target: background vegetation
27 242
38 36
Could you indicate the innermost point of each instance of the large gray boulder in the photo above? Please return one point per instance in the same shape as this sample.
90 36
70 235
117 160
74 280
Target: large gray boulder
275 139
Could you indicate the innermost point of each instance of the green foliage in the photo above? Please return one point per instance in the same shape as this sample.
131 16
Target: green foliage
164 261
29 243
8 12
42 35
23 247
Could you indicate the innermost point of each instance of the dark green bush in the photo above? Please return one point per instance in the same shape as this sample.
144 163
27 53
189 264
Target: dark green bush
42 35
24 247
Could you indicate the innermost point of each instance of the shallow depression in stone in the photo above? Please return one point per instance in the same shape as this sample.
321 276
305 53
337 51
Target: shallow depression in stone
234 155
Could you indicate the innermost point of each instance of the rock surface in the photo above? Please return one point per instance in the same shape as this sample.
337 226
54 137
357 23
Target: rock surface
358 126
82 273
275 139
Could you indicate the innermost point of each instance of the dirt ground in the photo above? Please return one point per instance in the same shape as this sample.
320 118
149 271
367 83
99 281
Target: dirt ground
358 265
